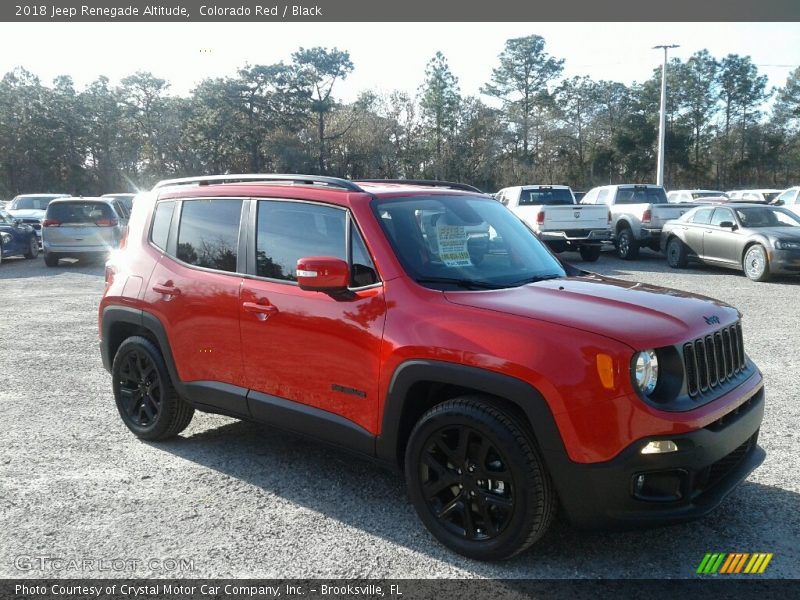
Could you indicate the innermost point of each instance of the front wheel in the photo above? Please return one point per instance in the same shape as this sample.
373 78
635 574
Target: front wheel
477 481
146 400
756 263
33 247
590 253
627 246
677 257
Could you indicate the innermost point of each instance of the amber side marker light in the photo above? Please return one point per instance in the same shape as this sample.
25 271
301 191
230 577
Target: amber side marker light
605 369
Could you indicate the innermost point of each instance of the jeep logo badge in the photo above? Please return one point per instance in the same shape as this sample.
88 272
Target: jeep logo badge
713 320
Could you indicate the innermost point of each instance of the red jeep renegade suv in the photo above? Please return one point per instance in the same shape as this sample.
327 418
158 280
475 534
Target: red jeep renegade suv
423 324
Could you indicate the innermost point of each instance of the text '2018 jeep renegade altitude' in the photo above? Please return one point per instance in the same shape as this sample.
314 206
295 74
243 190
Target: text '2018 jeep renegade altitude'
365 314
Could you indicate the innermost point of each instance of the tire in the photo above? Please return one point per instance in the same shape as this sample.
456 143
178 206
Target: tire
590 253
33 247
50 259
677 256
145 397
627 246
755 263
456 456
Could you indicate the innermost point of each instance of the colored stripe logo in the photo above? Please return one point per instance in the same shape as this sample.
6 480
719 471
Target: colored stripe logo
732 563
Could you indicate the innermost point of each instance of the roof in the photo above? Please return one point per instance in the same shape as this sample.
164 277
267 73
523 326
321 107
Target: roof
310 187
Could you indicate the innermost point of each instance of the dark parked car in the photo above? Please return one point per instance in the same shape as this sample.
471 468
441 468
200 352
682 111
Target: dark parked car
760 240
17 238
30 209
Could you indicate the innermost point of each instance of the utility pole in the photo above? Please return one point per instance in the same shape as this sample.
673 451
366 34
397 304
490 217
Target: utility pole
662 128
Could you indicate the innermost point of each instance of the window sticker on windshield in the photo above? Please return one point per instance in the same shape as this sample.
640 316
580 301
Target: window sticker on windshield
453 245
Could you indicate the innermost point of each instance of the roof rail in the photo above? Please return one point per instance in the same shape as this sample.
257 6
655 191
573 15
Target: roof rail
277 177
430 182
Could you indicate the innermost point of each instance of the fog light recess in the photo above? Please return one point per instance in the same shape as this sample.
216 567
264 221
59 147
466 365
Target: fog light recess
661 486
660 447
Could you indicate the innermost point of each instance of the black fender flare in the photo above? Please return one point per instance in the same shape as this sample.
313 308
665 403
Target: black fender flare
516 391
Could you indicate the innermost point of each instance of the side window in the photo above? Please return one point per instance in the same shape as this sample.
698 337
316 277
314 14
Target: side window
702 216
721 215
161 222
362 271
602 197
287 231
208 235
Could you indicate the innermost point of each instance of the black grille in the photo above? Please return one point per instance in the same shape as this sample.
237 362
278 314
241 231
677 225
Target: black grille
712 360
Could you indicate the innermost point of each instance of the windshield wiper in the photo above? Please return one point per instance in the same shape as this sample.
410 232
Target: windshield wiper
533 280
467 284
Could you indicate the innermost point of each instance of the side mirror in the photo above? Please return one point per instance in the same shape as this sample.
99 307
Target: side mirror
729 225
322 274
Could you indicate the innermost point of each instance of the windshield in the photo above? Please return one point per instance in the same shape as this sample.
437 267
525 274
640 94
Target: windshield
641 195
697 195
770 196
764 216
463 242
31 202
545 196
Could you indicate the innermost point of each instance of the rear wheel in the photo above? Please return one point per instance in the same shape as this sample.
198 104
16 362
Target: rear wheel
590 253
50 259
477 481
627 246
756 263
146 400
33 247
677 257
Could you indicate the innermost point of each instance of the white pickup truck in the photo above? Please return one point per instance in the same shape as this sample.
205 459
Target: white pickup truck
638 212
551 211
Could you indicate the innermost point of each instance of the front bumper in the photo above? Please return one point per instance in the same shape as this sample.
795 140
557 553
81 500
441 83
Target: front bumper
785 261
709 464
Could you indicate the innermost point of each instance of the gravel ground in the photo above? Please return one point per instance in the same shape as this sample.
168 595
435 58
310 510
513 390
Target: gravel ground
232 499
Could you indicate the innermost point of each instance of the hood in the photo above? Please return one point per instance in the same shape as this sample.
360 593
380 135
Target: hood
639 315
778 233
27 213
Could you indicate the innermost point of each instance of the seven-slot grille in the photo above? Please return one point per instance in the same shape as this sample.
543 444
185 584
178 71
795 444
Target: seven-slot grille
712 360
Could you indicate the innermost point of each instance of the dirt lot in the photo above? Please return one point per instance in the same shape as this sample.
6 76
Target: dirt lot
232 499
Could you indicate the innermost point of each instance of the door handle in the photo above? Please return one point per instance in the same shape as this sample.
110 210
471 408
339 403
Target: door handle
261 311
168 289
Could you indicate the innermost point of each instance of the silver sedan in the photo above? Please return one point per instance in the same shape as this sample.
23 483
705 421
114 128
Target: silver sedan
760 240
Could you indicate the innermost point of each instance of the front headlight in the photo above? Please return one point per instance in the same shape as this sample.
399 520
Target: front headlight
787 245
645 371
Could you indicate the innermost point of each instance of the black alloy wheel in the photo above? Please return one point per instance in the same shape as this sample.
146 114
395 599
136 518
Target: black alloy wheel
140 388
627 246
476 479
146 399
467 483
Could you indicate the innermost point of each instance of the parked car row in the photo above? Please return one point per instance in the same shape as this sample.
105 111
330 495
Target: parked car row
760 196
63 225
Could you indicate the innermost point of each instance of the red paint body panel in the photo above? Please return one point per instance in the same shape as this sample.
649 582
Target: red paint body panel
275 338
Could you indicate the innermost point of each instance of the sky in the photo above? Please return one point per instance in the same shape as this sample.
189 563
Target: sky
387 56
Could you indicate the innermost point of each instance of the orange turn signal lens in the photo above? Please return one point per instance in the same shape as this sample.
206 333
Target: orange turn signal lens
605 369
